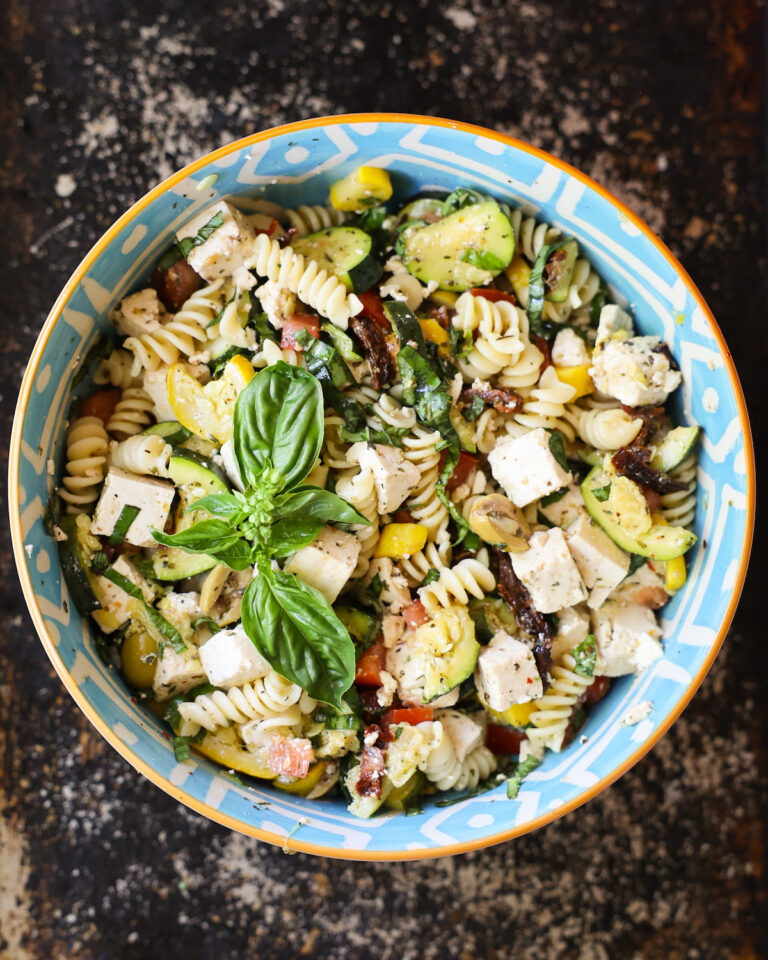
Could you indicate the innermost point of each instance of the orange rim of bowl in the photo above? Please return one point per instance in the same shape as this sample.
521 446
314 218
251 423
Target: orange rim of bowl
294 843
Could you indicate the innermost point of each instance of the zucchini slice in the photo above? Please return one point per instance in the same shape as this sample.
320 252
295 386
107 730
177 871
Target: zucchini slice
428 209
361 626
661 542
74 565
189 468
172 563
446 252
674 448
551 275
171 431
346 252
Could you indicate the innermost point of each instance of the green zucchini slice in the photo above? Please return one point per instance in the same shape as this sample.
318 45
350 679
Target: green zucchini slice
551 275
189 468
674 448
171 431
74 565
346 252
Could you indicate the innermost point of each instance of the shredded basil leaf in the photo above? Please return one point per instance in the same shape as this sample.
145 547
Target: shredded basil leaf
557 449
521 772
462 197
554 497
473 411
188 243
635 562
127 515
585 657
482 259
158 620
101 349
601 494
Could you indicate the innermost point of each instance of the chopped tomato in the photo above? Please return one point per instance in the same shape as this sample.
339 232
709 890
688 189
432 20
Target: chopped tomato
291 756
493 295
296 322
403 516
543 345
412 715
369 666
373 308
464 466
100 404
597 689
503 739
415 614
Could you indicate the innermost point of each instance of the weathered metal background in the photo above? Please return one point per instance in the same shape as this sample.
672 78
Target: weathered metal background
661 101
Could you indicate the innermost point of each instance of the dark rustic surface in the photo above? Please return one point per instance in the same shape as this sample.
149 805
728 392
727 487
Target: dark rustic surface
661 101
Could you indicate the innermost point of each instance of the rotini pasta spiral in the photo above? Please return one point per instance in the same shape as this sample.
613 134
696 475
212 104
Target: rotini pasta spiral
134 412
359 489
470 577
334 448
116 369
443 767
309 218
544 406
432 557
231 326
386 411
679 508
531 236
585 284
270 354
317 288
420 449
498 326
84 469
166 345
271 699
604 429
552 712
144 454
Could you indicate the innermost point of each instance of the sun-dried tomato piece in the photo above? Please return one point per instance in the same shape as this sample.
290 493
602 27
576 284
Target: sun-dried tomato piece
651 417
528 617
505 401
632 462
176 284
543 346
372 765
663 348
287 237
376 351
597 689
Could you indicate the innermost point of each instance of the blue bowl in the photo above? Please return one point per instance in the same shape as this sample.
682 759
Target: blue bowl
295 164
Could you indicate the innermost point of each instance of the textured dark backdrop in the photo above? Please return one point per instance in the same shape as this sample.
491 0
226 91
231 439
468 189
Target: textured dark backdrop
661 101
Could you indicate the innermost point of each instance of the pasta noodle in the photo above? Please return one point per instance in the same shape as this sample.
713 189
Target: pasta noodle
470 577
132 413
443 768
311 218
679 508
272 700
552 712
84 469
143 454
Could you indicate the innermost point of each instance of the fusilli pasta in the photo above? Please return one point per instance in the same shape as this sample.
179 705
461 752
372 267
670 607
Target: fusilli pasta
84 469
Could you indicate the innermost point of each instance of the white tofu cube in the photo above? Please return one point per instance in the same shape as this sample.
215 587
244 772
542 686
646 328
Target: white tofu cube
225 458
506 673
526 468
115 602
628 638
277 302
139 313
230 659
226 250
613 320
328 562
566 508
462 731
177 672
549 572
394 476
572 629
405 665
121 489
634 371
569 350
395 593
602 564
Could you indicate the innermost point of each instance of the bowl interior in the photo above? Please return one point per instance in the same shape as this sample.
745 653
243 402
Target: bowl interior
296 165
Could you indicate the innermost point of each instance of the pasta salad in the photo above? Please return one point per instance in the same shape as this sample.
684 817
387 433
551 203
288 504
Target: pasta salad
375 496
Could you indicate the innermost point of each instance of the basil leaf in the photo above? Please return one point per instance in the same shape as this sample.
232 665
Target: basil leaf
225 505
400 239
290 534
473 411
172 255
186 245
318 503
371 220
97 351
389 436
206 622
323 361
585 655
158 620
521 772
201 537
127 515
352 411
294 628
236 556
482 259
461 197
278 423
220 314
423 389
342 342
405 325
461 341
553 497
598 302
537 291
635 562
431 576
601 494
451 459
557 449
217 365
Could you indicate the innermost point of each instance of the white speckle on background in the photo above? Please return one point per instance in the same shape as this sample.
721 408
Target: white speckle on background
461 19
65 185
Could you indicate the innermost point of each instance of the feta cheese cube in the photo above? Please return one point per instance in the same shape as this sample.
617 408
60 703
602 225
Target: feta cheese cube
328 562
386 692
613 320
405 665
395 593
230 659
277 302
226 250
394 476
225 458
176 673
602 564
628 638
572 629
635 371
506 673
462 731
526 468
139 313
549 572
152 497
392 629
569 350
566 508
115 602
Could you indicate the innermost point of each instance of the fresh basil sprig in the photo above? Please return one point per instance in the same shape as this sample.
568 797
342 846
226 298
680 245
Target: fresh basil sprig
276 439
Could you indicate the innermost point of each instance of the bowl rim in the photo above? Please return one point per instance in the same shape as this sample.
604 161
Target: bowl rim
294 843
